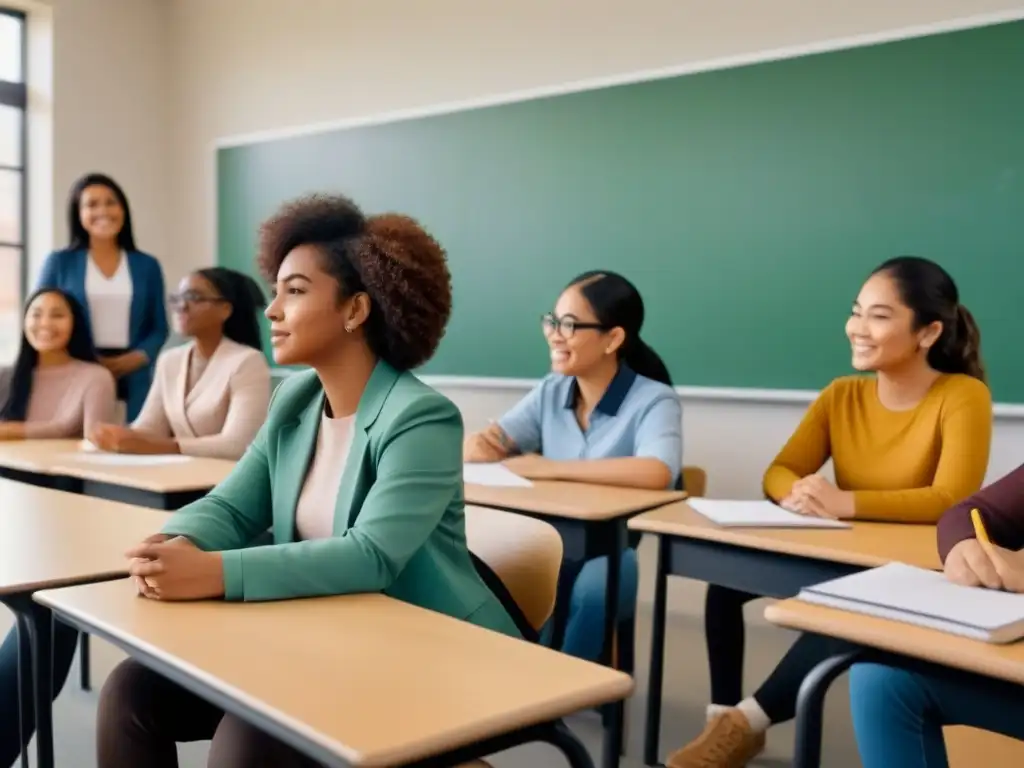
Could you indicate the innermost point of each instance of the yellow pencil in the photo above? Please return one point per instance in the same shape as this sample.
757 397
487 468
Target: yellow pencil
979 531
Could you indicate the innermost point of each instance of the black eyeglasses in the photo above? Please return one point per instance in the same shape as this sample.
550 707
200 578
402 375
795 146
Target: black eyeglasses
567 326
178 300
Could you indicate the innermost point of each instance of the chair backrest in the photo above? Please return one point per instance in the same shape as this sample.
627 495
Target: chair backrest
695 481
524 553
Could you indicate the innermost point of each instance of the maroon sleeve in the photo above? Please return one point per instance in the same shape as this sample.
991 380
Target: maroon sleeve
1002 508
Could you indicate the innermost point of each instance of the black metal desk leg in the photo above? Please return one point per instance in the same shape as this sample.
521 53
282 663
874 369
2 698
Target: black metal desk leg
809 705
83 661
615 538
25 687
565 740
652 729
41 631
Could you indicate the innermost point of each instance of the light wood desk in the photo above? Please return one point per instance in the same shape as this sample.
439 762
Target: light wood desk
772 562
592 522
48 539
358 680
890 642
61 464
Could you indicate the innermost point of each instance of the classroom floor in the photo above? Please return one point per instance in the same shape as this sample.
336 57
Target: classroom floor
685 687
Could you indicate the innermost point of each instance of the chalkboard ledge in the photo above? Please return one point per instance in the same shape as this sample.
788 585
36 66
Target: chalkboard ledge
734 394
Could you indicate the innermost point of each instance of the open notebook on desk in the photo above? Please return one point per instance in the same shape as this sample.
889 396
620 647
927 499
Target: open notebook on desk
757 514
902 592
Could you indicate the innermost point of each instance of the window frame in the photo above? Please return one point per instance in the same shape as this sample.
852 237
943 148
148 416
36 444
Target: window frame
15 94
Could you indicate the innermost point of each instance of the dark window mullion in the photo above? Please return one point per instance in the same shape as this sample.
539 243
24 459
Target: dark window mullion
13 94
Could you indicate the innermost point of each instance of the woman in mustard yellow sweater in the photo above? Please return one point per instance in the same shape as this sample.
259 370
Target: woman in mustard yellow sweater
906 444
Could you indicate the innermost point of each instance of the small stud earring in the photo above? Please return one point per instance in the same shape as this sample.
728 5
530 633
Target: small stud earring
348 329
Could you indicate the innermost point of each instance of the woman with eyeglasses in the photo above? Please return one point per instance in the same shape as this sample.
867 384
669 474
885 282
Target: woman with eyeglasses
606 414
209 396
120 288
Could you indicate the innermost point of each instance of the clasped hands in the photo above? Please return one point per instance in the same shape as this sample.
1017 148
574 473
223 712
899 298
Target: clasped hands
173 568
814 495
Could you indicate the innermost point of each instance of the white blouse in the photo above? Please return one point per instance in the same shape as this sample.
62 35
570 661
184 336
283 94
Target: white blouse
110 304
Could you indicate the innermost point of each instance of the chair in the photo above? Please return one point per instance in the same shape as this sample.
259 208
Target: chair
525 555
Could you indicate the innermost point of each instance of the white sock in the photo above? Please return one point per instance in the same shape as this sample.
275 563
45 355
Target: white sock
714 710
759 721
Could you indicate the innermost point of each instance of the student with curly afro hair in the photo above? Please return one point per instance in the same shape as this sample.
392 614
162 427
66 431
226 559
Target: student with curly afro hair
357 472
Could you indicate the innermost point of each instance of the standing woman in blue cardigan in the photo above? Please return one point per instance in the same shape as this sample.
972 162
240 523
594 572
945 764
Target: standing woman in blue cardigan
120 287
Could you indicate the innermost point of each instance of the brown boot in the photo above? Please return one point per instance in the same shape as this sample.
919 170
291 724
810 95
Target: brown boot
727 741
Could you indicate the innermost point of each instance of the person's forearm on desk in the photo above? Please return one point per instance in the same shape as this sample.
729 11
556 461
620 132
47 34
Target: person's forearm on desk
628 472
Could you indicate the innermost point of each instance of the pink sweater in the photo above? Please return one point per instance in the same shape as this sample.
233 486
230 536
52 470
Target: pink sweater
66 400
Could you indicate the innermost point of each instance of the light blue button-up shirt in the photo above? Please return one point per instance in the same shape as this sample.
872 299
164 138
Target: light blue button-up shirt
636 416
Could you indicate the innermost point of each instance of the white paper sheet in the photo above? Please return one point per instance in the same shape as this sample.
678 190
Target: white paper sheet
125 459
757 514
496 475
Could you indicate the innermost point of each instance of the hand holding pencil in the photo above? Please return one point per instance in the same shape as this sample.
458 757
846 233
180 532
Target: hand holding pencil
978 562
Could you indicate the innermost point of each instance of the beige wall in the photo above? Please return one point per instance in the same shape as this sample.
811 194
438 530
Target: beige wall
99 84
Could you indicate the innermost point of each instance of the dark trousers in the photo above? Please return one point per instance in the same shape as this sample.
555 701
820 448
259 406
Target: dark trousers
725 635
142 716
65 640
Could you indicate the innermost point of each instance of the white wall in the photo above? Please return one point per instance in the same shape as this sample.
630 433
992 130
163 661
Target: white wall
99 82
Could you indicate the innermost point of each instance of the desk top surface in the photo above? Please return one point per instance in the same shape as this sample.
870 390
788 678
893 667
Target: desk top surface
65 457
374 680
576 501
51 538
865 544
1005 662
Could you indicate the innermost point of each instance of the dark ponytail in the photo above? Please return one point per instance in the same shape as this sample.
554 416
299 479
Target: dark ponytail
617 304
246 300
930 293
959 351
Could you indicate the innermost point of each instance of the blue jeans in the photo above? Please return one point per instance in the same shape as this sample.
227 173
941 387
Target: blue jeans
584 628
65 640
898 714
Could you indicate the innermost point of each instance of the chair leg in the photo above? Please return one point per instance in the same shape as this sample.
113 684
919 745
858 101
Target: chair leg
84 675
626 642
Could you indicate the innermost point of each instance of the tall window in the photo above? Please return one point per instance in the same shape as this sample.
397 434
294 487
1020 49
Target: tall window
13 140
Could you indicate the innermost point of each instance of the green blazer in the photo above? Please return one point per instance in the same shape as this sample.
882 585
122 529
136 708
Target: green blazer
399 520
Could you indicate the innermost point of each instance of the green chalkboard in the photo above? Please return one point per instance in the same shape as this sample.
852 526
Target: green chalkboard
747 204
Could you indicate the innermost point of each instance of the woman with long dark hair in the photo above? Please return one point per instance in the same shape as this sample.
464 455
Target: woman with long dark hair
120 288
55 388
209 396
906 443
606 414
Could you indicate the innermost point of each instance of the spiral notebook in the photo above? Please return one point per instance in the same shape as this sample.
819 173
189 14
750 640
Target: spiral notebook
926 598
